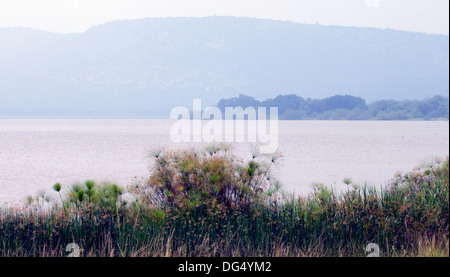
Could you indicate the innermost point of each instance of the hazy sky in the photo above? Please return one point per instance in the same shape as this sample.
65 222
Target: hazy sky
430 16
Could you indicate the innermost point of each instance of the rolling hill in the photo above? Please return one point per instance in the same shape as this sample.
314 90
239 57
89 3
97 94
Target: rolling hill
148 66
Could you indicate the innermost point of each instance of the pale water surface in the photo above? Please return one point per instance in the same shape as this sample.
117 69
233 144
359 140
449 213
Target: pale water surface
35 153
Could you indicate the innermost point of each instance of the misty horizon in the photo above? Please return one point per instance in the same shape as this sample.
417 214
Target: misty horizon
220 16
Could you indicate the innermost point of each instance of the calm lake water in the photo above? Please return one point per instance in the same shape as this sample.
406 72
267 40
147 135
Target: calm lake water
34 154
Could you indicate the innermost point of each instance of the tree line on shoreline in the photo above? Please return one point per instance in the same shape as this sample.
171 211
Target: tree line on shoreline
346 107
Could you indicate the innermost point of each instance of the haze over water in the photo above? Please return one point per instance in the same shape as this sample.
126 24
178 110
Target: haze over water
36 153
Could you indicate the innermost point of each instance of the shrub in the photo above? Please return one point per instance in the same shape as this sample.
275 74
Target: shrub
191 179
90 195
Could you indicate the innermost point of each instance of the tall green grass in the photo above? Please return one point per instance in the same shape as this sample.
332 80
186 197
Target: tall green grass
216 205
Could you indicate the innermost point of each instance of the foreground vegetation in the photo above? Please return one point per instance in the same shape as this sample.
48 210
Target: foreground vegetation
210 203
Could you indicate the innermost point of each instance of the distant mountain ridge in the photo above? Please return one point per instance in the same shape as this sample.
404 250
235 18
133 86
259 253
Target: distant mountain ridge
146 67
